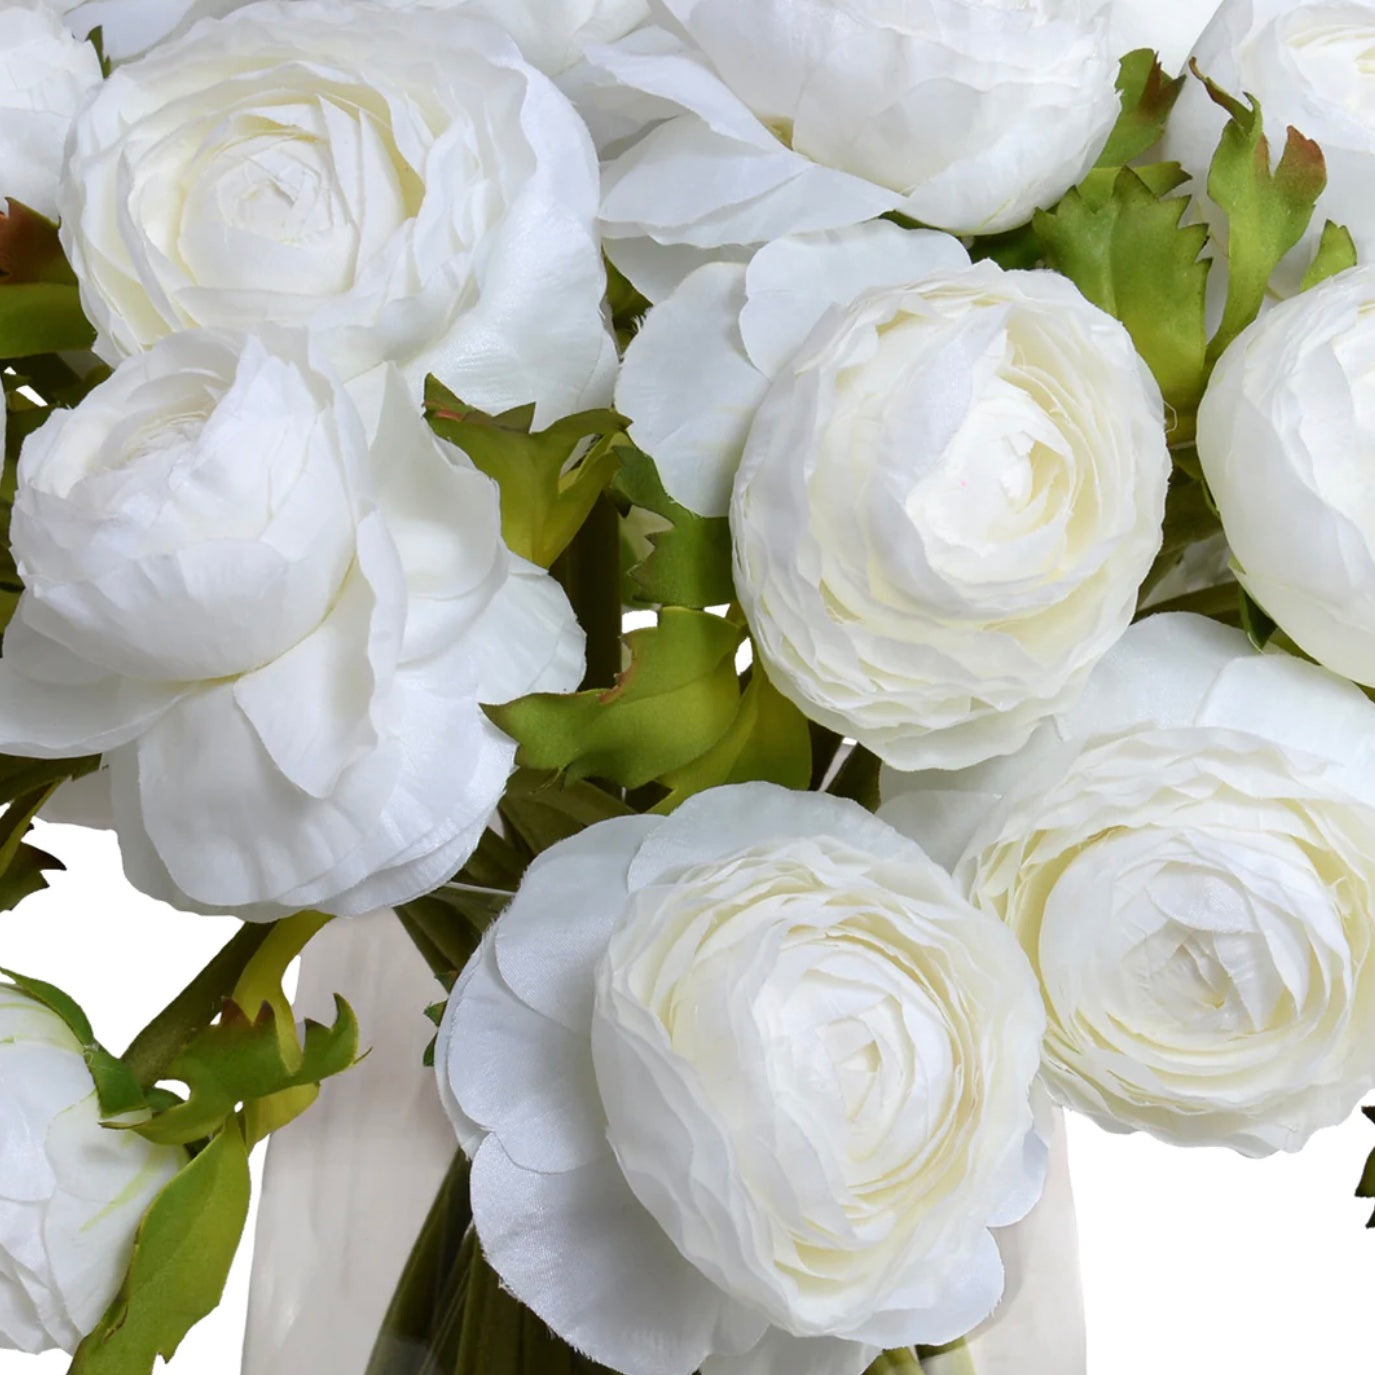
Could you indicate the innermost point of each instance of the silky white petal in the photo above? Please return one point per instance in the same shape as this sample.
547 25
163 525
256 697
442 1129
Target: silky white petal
690 389
578 1249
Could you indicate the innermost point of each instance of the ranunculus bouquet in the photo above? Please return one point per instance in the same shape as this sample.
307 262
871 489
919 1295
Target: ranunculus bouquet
810 565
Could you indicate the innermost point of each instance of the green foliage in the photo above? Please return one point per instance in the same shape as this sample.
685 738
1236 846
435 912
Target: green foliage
1259 628
40 306
675 701
901 1362
1148 95
1129 254
240 1059
1336 252
542 809
549 479
1267 210
689 563
116 1087
182 1254
1366 1188
858 778
627 306
1189 517
23 866
769 740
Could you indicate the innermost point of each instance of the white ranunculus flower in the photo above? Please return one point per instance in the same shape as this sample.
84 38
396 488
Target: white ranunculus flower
1189 860
1309 66
952 485
72 1191
45 74
745 1088
277 622
1286 436
739 123
1169 27
401 182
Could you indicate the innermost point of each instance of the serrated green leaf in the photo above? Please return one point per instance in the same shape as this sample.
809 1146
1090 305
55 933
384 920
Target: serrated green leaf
549 480
673 703
1267 211
260 983
23 867
689 563
41 317
543 808
1133 258
238 1060
769 741
1148 95
1336 252
182 1254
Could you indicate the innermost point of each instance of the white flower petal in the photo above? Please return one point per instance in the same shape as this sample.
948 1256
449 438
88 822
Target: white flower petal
579 1250
690 389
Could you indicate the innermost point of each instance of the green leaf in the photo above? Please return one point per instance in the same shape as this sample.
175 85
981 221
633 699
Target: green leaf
1258 626
1131 257
116 1087
20 776
769 741
1148 95
628 307
1366 1188
1336 252
23 866
182 1254
1012 250
30 250
1267 211
543 809
673 703
238 1060
549 480
689 563
1190 517
41 317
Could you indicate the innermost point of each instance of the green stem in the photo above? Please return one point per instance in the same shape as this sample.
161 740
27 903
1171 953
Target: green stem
590 571
157 1045
954 1359
825 746
422 1319
857 778
903 1362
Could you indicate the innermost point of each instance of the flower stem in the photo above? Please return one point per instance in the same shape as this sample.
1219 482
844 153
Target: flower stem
901 1362
857 778
157 1045
590 571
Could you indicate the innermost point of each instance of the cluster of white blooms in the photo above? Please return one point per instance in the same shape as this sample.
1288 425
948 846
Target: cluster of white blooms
746 1087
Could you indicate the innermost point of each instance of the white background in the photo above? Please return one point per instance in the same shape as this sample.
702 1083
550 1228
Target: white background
1195 1262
